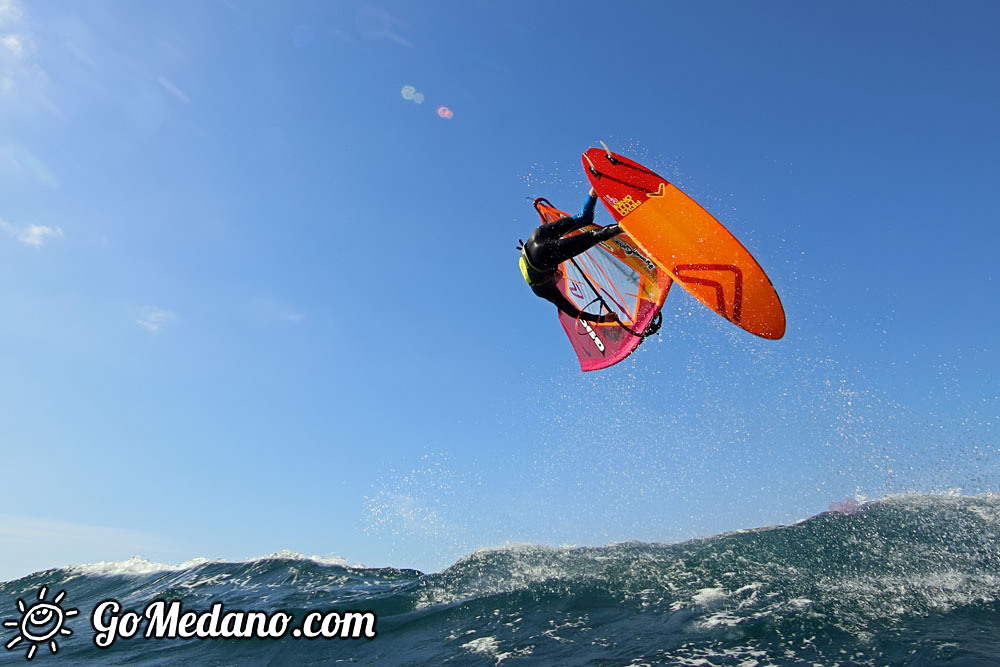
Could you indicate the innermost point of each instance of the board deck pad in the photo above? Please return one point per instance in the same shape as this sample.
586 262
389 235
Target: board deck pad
691 245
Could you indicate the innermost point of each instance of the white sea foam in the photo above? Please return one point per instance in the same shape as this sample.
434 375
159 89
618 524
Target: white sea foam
483 645
723 619
137 565
134 565
489 646
532 564
285 554
707 596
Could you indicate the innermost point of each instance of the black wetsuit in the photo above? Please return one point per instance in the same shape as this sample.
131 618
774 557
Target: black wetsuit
546 249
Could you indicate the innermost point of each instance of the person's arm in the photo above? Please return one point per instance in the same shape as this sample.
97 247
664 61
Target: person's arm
586 216
588 206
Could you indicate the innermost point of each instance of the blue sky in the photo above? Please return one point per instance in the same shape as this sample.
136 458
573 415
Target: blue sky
256 299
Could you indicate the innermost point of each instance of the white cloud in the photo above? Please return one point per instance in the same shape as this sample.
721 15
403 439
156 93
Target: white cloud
9 12
21 76
33 235
13 44
154 319
38 235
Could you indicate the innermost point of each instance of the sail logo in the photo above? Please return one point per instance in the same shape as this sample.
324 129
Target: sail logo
593 336
632 252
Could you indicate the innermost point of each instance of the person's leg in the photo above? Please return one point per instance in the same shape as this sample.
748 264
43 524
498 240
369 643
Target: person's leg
552 253
566 225
554 230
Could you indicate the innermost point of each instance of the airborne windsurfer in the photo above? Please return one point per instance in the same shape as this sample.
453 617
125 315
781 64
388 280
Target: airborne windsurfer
548 247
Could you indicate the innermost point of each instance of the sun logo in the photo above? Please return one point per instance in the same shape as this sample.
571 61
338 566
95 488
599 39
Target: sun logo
40 622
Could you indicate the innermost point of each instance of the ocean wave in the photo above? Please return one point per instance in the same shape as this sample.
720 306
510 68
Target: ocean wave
873 582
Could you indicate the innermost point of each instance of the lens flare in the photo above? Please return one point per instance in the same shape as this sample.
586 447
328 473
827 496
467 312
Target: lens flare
408 92
445 112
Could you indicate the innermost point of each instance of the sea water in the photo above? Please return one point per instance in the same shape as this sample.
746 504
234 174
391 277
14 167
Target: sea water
907 580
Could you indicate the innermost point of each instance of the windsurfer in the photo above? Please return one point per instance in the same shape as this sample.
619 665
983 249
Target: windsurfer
548 247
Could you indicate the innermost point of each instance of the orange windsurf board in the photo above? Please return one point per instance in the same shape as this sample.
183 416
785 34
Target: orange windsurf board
691 245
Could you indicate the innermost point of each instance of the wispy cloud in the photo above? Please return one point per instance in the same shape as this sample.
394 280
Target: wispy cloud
375 23
34 235
269 311
19 161
13 45
154 319
38 235
173 89
9 12
21 75
342 35
35 529
32 544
